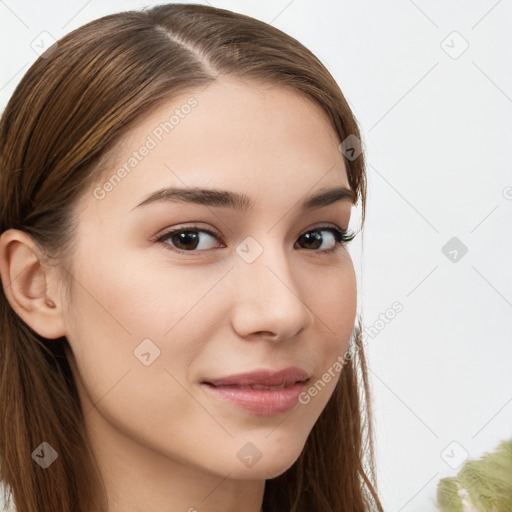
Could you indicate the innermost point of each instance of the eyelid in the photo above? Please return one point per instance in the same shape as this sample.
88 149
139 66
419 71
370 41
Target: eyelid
215 233
185 227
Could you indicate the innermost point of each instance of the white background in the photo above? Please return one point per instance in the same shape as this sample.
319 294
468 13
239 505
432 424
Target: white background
436 126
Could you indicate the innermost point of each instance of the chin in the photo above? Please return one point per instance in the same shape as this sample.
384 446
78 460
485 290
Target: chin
263 471
265 459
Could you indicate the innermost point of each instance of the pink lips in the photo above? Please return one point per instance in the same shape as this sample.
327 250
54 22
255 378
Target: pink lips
261 392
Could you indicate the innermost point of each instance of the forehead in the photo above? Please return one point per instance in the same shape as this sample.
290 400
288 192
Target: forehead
240 135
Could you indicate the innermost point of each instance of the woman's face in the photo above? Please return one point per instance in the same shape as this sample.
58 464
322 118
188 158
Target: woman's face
149 324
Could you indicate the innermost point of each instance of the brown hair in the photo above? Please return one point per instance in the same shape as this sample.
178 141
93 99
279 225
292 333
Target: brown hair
69 109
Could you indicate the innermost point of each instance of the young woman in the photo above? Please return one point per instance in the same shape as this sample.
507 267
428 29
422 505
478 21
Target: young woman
178 316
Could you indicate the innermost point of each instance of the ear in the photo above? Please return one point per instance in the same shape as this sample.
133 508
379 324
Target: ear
25 279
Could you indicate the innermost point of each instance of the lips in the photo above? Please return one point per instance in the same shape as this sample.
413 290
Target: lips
261 379
251 386
262 392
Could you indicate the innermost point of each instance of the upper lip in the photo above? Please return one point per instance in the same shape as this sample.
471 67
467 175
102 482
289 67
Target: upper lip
264 377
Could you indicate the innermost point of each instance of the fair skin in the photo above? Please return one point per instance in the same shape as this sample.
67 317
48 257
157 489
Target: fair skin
163 443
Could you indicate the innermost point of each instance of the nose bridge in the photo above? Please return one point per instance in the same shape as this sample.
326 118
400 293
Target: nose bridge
264 265
268 296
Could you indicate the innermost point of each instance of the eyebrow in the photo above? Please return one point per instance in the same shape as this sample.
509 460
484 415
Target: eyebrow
239 201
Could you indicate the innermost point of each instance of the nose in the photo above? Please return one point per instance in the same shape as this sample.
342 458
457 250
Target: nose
267 299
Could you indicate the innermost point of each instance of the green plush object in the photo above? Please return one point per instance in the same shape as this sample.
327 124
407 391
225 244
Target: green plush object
483 485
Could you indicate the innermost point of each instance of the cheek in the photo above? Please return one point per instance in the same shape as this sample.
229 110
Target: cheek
136 311
334 305
121 323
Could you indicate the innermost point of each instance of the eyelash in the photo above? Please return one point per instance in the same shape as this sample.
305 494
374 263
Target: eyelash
342 237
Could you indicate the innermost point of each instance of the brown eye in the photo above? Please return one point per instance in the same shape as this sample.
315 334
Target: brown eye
188 239
313 240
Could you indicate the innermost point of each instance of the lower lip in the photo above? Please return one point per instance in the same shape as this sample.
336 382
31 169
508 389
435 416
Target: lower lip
263 402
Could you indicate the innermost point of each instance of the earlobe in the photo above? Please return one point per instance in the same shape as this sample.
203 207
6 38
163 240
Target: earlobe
25 282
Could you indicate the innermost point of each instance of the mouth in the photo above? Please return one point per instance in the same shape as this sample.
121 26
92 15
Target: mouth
260 387
259 398
264 379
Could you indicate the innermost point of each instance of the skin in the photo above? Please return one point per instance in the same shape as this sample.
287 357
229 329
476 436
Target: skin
162 442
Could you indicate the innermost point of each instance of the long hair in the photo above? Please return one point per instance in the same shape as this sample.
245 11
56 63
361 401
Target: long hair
73 104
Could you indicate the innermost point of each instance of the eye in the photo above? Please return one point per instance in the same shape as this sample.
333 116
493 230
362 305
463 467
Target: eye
188 239
338 237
